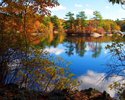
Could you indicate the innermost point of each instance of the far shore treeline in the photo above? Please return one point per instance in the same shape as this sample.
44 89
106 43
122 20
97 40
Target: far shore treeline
72 24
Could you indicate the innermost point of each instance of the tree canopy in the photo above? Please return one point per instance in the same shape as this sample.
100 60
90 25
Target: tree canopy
34 6
97 15
117 1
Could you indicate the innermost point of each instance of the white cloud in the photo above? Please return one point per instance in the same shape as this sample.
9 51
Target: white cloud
75 12
55 51
121 11
58 8
78 6
89 12
97 81
105 51
107 7
87 48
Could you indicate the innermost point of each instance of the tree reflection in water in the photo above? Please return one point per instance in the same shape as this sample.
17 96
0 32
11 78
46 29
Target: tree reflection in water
79 46
96 48
69 48
31 67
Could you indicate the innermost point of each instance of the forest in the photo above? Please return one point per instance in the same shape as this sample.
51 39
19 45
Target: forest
77 24
26 70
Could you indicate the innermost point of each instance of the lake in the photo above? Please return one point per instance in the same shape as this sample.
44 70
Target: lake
89 58
83 57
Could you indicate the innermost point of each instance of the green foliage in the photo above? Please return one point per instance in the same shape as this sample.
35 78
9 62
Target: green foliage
81 18
116 1
46 73
81 15
55 21
83 27
119 88
46 21
69 20
97 15
69 16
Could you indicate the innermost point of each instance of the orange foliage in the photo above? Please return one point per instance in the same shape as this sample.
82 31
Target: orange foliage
37 25
89 29
100 30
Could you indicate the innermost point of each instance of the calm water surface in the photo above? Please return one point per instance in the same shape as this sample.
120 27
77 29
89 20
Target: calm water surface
84 57
89 61
88 58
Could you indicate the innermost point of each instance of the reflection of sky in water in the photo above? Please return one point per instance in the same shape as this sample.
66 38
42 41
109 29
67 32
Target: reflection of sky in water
88 69
80 65
56 51
96 80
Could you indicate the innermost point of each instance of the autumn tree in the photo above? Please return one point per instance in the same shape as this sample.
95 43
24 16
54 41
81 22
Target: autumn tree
26 9
19 15
16 16
121 23
23 63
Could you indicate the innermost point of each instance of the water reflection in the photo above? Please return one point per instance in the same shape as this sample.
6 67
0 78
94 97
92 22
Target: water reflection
89 58
95 48
36 72
70 47
56 51
75 45
85 54
97 81
53 40
81 48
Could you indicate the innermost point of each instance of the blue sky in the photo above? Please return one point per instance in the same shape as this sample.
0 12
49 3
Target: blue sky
107 10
